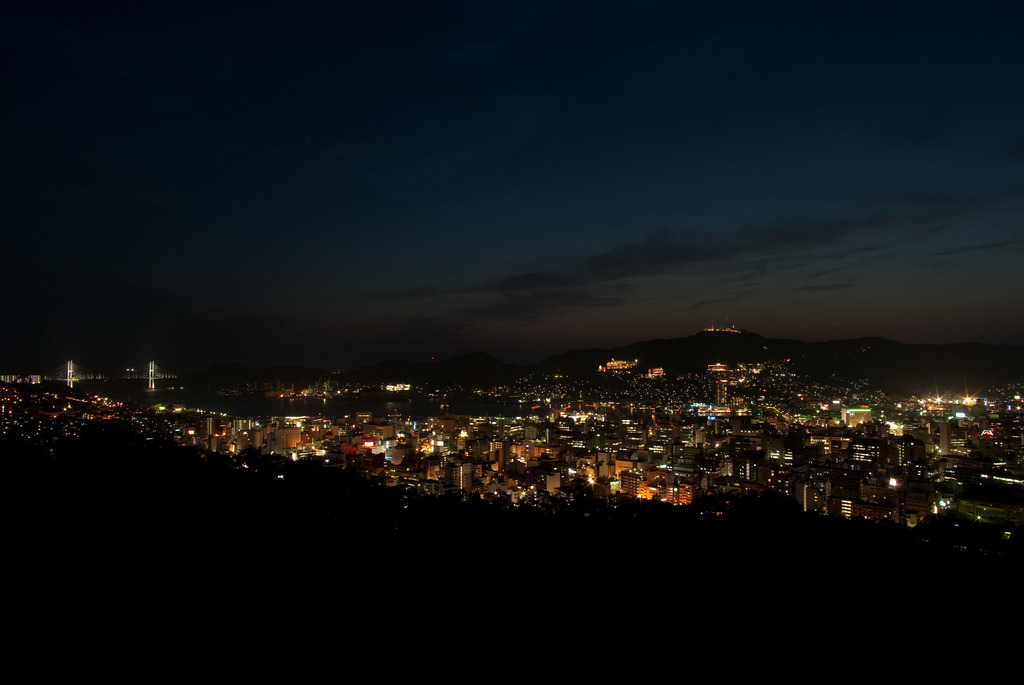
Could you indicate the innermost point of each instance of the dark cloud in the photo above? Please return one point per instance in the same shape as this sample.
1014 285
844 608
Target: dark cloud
916 131
744 256
1015 152
977 248
367 177
529 281
751 250
825 286
722 300
543 304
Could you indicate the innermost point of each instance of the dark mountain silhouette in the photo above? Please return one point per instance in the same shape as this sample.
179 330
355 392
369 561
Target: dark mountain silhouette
678 355
881 364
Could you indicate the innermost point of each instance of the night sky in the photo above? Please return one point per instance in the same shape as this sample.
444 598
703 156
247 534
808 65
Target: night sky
284 183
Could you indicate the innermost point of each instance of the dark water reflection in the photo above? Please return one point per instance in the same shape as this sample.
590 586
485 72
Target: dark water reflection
257 405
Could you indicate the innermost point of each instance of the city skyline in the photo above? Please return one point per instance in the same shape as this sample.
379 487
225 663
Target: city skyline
335 187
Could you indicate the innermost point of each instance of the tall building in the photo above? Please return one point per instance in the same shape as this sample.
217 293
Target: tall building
867 451
460 475
854 416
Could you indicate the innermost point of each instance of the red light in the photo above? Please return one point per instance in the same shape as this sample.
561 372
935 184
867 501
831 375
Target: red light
368 444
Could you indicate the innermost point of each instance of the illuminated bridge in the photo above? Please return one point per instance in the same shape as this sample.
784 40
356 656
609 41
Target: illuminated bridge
71 373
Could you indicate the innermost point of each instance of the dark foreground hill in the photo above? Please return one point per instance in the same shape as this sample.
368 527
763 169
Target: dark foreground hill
112 493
